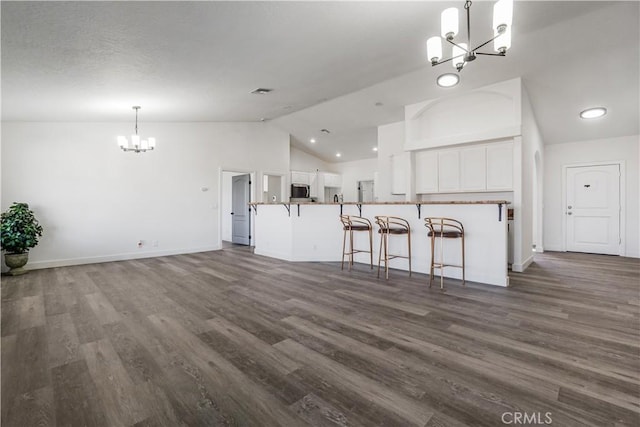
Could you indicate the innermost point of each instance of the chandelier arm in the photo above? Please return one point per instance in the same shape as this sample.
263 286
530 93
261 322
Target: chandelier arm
440 62
487 42
491 54
447 60
456 44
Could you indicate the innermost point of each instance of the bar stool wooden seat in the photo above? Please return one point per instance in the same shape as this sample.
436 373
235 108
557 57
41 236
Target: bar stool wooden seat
392 226
443 228
350 224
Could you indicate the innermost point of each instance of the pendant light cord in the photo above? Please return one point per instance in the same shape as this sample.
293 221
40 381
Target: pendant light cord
136 108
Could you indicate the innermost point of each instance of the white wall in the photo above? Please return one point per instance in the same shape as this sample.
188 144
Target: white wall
531 188
305 162
352 172
626 149
486 113
390 143
95 202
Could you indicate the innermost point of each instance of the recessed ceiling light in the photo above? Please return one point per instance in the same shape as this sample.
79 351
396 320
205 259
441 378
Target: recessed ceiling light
375 148
338 155
312 140
448 80
593 113
261 91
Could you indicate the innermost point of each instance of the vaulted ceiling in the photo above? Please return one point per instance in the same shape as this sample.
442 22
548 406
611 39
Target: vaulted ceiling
343 66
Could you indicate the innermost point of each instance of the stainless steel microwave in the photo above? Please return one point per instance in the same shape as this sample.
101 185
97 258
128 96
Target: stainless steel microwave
299 191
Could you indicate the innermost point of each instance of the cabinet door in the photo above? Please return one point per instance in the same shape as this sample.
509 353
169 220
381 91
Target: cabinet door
398 175
449 171
473 169
426 172
299 178
500 167
332 180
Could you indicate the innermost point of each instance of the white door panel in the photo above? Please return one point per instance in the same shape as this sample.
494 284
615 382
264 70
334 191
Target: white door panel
240 198
593 209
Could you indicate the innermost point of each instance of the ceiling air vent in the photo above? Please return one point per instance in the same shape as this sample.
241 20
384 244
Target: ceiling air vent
261 91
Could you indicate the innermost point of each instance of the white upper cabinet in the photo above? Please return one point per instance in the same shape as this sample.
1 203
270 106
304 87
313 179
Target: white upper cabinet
299 177
500 167
332 180
449 171
426 171
483 167
473 169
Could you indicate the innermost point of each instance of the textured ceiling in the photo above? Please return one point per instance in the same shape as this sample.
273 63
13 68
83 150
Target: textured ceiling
329 63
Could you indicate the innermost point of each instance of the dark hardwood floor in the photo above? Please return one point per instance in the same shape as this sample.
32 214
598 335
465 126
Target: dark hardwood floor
231 338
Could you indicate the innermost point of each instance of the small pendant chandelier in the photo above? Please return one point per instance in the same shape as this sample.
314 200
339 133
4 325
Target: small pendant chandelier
136 145
463 53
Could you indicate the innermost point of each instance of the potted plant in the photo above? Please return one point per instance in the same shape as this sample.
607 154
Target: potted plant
19 232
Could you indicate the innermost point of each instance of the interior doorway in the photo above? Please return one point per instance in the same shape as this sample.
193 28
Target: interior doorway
235 219
592 209
241 212
272 188
365 191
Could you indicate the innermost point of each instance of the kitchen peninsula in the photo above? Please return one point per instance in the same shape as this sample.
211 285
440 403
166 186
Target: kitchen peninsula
313 232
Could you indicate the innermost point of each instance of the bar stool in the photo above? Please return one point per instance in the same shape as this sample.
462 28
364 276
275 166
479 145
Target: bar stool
392 225
350 224
443 228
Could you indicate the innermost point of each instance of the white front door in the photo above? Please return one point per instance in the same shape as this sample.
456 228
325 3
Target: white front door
593 209
240 221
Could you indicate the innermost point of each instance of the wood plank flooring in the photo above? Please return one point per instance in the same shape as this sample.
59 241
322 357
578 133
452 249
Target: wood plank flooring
231 338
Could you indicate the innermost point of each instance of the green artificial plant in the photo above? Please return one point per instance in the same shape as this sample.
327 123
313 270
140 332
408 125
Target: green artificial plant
19 229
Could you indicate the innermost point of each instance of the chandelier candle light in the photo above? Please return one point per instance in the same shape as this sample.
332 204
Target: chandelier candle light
462 53
136 145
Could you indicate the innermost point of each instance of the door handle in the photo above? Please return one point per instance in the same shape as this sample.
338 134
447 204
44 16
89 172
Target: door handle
231 213
569 207
569 213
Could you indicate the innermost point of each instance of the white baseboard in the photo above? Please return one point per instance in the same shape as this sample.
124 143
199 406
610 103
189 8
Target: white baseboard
554 248
35 265
273 254
522 266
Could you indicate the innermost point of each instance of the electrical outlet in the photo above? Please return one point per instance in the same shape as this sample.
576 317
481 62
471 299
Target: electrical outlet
140 243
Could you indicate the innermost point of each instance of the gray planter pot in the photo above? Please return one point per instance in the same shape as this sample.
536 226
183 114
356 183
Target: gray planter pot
15 262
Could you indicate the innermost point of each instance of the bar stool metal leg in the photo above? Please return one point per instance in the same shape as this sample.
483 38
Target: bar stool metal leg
409 250
433 246
463 284
344 244
380 253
